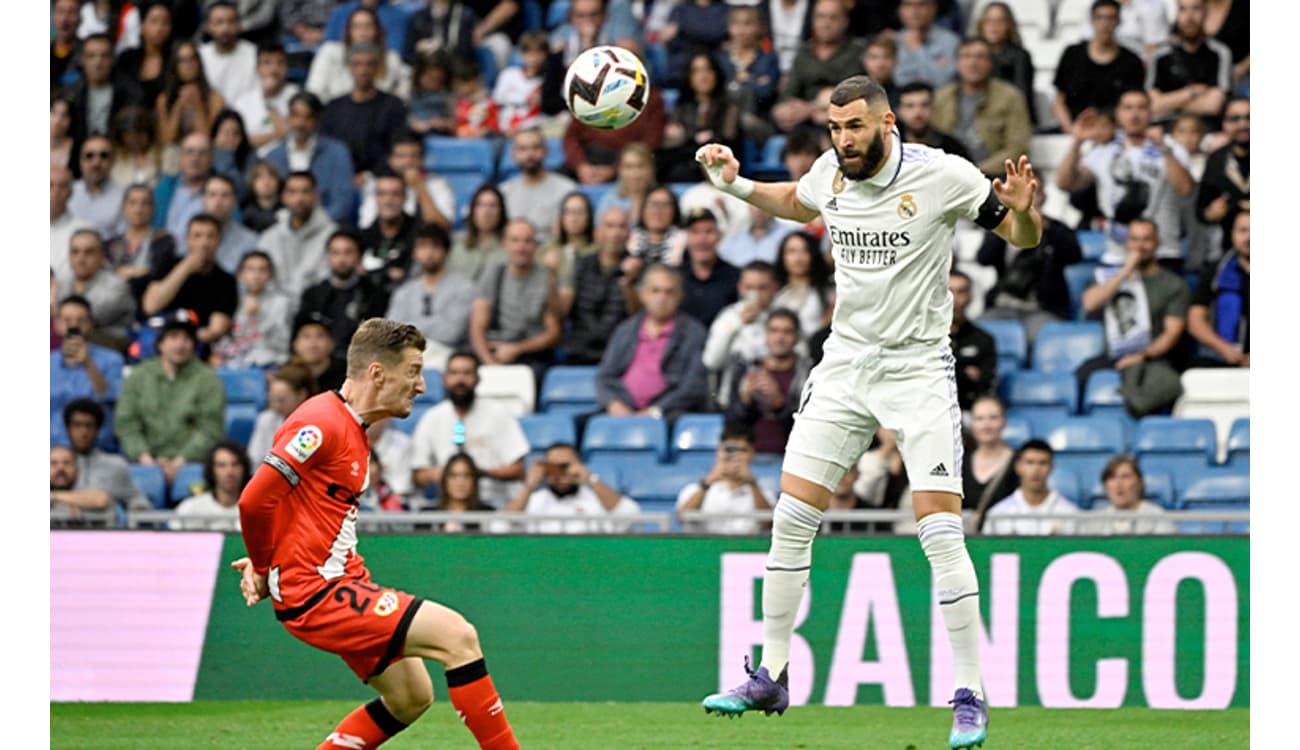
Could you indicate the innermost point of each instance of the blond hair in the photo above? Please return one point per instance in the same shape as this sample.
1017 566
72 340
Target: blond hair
383 341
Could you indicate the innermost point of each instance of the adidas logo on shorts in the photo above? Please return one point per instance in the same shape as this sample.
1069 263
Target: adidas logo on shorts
939 471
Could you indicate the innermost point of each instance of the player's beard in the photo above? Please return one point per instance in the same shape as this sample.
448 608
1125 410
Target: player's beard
871 161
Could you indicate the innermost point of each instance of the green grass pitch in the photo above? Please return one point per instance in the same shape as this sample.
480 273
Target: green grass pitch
277 725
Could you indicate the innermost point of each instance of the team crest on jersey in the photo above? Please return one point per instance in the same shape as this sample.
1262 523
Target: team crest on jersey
387 604
837 184
304 442
907 207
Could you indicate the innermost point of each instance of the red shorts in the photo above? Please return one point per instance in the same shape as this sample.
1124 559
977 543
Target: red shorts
362 622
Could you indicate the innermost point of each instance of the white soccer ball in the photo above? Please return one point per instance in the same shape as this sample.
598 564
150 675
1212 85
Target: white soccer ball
606 87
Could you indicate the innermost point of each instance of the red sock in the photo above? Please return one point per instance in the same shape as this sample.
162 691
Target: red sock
363 729
479 706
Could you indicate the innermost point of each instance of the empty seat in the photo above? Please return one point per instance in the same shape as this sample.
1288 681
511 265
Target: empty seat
569 385
1010 340
244 385
1078 276
1017 430
697 433
1066 481
1239 444
446 155
1031 392
512 386
545 430
151 483
1062 347
1219 485
661 484
641 436
1092 243
1101 395
433 389
768 164
1086 466
1174 445
1092 434
1220 394
240 421
189 481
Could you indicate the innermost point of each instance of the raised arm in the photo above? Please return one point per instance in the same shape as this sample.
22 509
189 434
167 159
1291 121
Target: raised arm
776 198
1023 225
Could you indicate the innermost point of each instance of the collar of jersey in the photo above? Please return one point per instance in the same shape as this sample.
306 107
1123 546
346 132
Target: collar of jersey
893 164
351 411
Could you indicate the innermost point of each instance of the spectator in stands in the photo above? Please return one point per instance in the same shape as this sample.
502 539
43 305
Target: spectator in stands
79 369
576 239
287 388
487 431
313 345
147 64
1033 464
1229 23
635 180
226 471
1011 62
262 201
394 20
987 115
806 284
974 350
229 62
879 61
1031 284
602 293
96 197
328 159
518 90
446 27
1219 313
172 405
516 316
348 296
330 76
99 94
592 23
438 301
260 333
591 154
480 245
296 242
62 152
386 243
391 452
694 26
432 108
195 282
704 114
729 486
657 238
760 240
790 22
1122 514
220 197
137 155
429 197
915 113
1139 342
188 102
232 154
265 108
63 223
751 72
828 57
1137 176
560 484
1203 242
64 46
65 508
367 119
179 198
987 475
304 21
140 250
1143 26
1193 73
1224 190
476 112
458 493
926 52
848 497
652 363
709 283
1092 74
739 332
98 472
764 392
536 192
113 307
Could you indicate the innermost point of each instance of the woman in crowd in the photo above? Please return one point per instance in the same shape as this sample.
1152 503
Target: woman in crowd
1126 510
751 72
636 177
291 385
61 133
986 473
262 196
1011 62
259 335
573 238
188 102
148 63
137 156
703 115
458 492
329 77
141 251
232 154
658 239
805 279
479 246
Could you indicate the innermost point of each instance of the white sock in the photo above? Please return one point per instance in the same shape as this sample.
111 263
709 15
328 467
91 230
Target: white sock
944 544
794 526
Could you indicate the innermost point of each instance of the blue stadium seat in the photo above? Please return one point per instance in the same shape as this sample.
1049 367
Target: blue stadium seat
596 192
1018 429
661 484
1217 488
679 188
1086 466
655 58
544 430
463 186
767 163
447 155
1062 347
646 437
240 420
670 99
1102 396
244 386
487 65
1032 393
1239 444
1159 490
1078 276
433 389
151 483
557 14
569 385
1010 340
407 425
507 167
1087 435
1066 481
697 433
189 481
106 440
1092 243
1175 445
532 15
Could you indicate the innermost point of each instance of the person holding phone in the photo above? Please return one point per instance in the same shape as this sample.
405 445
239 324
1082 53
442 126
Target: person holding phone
560 484
729 487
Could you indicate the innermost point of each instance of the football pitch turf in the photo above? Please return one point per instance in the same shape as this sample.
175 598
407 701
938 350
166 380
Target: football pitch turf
280 725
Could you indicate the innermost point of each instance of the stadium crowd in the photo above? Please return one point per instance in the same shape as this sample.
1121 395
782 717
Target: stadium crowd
236 184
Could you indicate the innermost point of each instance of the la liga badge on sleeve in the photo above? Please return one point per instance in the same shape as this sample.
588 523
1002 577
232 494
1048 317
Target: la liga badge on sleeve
303 443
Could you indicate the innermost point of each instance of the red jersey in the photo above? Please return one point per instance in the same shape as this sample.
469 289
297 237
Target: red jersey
303 537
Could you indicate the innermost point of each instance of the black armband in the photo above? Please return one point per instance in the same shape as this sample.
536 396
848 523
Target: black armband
991 212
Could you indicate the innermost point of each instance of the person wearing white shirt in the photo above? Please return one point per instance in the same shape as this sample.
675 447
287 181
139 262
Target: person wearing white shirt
1033 464
96 197
729 487
395 451
487 431
428 196
559 484
740 330
229 63
63 224
225 473
1126 512
265 109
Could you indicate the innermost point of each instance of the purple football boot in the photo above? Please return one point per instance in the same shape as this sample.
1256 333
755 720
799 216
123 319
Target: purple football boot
759 693
970 721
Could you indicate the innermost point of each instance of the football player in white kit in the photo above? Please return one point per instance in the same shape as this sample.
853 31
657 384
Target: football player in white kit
890 209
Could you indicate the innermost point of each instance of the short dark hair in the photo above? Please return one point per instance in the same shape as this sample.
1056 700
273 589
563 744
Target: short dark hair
271 47
300 174
1133 90
973 40
405 136
760 266
209 463
312 101
433 233
787 314
859 87
914 87
76 299
801 142
464 354
98 37
566 445
738 430
216 176
1035 444
256 254
350 234
222 4
1104 4
953 272
83 406
204 218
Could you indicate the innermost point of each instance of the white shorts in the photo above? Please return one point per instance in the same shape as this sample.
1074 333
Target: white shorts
854 391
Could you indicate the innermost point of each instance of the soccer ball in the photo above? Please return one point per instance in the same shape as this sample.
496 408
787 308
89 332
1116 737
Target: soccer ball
606 87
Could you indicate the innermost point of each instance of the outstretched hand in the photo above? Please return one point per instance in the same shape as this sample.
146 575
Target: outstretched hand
720 165
1017 191
251 585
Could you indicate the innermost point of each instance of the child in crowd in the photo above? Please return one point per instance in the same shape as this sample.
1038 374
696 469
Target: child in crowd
518 93
476 113
432 107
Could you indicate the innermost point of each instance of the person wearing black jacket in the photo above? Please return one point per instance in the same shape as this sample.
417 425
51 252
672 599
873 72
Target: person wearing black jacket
1224 190
348 296
975 351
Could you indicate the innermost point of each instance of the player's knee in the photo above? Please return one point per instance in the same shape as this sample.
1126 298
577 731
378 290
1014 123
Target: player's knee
411 702
462 642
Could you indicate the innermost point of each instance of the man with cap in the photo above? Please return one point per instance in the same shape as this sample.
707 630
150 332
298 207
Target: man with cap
172 406
709 283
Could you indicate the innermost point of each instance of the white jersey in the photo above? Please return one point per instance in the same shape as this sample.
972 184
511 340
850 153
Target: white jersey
892 238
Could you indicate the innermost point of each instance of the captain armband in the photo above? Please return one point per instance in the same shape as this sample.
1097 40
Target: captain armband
992 211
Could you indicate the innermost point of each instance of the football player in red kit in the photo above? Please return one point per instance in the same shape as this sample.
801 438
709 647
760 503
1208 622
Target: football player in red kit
299 515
